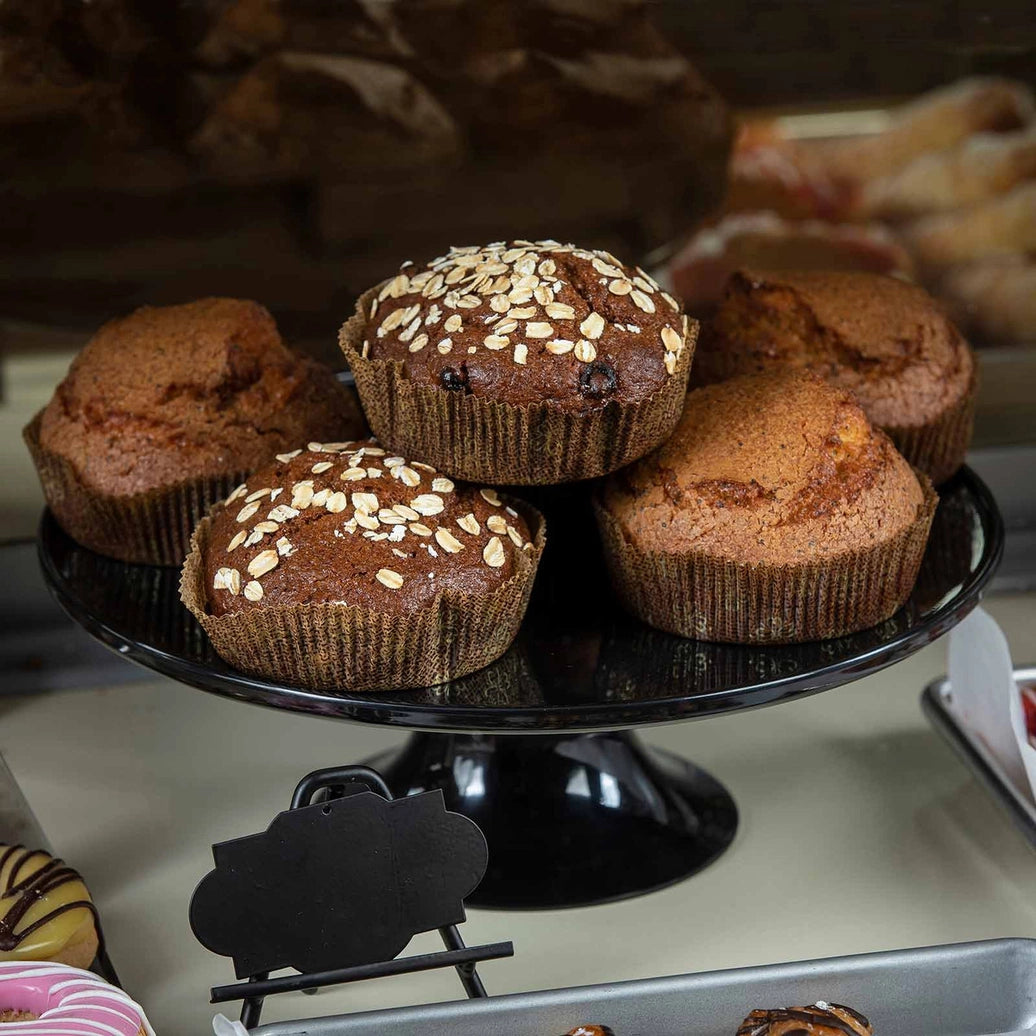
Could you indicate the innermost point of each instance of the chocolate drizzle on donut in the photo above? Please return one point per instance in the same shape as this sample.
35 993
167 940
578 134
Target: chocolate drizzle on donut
29 890
818 1020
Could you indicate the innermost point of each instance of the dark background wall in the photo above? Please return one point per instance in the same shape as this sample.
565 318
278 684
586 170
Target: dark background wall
762 52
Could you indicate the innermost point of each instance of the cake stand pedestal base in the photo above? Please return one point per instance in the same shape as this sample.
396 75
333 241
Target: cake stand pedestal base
571 819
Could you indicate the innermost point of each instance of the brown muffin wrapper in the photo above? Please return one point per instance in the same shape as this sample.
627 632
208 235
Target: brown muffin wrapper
705 598
938 448
485 441
149 528
329 647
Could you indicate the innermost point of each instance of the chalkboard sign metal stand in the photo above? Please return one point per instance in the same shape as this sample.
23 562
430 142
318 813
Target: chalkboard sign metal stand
338 782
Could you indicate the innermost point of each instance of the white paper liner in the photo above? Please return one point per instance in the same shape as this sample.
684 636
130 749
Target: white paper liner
987 700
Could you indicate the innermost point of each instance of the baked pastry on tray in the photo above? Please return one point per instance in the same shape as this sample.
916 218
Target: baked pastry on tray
520 362
341 567
774 514
164 412
887 341
819 1019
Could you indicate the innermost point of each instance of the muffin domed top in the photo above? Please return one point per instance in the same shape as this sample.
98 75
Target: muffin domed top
526 322
191 391
346 523
779 468
885 339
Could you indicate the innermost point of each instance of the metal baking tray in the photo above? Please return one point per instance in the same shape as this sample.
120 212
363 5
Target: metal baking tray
937 704
970 989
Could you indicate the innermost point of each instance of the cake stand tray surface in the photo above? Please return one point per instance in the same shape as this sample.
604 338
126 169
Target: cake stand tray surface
564 785
970 989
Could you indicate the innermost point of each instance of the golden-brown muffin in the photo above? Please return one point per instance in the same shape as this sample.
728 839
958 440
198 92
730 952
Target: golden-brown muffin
774 513
164 411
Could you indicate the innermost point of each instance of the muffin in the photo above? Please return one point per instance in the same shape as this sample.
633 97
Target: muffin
341 567
164 412
774 514
522 363
887 341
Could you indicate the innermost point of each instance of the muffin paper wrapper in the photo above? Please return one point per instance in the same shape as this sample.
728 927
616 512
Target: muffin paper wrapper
485 441
706 598
938 448
150 528
329 647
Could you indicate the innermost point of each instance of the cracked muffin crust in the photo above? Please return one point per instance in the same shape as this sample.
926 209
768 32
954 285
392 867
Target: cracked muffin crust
178 392
526 322
886 340
164 411
768 468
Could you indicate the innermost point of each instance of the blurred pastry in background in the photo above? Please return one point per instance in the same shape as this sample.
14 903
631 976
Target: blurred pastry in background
978 169
767 174
763 240
950 182
304 112
244 30
935 121
994 299
1002 226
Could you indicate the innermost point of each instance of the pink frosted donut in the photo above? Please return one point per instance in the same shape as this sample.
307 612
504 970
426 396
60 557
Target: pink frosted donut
66 1002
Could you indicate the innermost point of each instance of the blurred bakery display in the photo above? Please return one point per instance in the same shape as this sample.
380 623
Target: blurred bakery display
292 150
944 193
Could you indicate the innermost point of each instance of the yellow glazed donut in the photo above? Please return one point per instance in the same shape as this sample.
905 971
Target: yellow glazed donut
46 913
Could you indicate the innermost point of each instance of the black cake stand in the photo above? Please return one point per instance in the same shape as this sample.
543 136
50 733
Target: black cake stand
537 748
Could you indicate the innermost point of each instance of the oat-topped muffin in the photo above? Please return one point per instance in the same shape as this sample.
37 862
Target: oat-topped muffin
521 362
166 409
348 541
351 525
774 513
887 340
523 323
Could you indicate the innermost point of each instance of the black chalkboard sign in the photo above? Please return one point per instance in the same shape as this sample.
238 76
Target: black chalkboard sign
345 882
